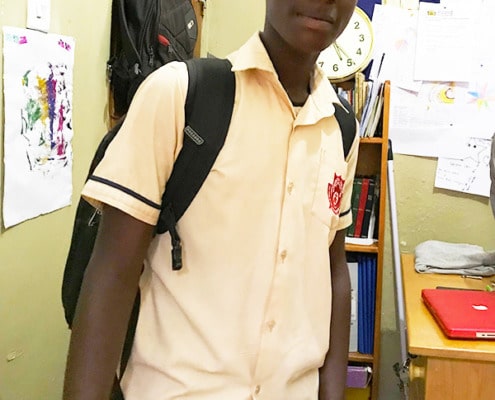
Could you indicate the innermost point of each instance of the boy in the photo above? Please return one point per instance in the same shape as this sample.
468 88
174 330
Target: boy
260 308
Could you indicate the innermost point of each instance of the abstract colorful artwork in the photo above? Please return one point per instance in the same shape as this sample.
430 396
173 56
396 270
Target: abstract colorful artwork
38 123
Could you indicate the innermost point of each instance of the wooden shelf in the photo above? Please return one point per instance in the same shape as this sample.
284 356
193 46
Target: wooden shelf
372 160
359 248
372 140
359 357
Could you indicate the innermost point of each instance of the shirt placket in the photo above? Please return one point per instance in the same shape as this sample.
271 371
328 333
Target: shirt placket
272 336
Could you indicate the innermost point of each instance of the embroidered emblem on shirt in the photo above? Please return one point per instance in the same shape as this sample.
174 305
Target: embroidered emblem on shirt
335 190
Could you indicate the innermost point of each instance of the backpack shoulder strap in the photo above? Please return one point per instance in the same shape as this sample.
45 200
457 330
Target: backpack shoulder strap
347 123
208 110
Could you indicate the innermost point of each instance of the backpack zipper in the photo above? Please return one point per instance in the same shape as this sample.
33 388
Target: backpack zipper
154 10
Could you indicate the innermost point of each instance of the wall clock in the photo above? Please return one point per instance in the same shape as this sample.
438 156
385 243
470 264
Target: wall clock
351 52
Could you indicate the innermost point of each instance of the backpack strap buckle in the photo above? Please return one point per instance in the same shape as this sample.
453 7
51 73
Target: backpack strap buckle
168 223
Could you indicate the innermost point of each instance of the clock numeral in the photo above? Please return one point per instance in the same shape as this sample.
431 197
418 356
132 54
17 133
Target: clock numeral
347 55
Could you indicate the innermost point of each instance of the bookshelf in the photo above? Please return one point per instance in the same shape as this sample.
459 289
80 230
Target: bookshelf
372 161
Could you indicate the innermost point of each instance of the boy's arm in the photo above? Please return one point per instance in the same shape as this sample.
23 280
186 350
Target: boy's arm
104 306
333 374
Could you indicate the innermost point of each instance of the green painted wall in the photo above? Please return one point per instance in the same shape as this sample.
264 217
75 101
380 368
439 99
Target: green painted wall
228 24
33 334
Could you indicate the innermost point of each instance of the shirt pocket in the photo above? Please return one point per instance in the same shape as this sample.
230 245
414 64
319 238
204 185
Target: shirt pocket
327 196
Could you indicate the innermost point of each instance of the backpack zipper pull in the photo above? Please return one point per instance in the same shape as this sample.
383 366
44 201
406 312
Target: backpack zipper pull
151 59
176 254
93 220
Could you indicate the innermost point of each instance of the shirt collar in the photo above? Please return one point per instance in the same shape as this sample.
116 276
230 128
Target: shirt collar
320 102
253 55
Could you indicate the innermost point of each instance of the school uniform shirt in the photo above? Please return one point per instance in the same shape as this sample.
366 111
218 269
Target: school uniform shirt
248 315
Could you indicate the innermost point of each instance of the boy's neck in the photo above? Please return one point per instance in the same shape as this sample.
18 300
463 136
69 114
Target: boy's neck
294 69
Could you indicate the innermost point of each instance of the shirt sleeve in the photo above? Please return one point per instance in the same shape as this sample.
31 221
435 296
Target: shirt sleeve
139 160
345 219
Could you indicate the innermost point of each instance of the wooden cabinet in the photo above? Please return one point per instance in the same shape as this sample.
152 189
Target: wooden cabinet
442 368
372 160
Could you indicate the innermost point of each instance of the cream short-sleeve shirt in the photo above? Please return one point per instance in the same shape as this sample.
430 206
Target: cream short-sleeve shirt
248 316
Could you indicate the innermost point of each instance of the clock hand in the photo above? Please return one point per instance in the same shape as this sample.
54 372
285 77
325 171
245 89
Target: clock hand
337 50
340 50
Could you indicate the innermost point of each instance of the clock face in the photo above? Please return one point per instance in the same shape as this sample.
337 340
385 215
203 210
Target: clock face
352 50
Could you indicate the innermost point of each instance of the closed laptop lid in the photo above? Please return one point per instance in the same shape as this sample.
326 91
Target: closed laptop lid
462 314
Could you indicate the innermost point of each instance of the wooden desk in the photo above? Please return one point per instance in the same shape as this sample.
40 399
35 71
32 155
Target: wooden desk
443 369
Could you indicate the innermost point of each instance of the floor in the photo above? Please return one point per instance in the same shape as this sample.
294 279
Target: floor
390 355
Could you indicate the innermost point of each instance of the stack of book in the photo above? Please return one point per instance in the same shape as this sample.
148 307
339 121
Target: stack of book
364 207
372 111
362 271
366 98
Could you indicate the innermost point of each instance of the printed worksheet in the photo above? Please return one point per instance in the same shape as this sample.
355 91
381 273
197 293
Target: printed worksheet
444 46
469 173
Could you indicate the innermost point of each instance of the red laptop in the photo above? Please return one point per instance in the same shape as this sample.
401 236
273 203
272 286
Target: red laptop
462 314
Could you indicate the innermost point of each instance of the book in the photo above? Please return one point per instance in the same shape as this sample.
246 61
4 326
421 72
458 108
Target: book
370 200
356 190
371 106
360 241
375 114
361 206
374 211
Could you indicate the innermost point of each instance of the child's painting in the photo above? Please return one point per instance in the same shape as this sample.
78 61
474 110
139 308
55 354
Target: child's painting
38 123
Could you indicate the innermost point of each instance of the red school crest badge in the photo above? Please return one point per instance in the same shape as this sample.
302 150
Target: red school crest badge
335 191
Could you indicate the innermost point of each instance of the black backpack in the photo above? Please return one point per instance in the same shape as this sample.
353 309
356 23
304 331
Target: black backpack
206 125
208 109
145 35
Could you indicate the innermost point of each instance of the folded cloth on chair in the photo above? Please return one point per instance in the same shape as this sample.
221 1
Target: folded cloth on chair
434 256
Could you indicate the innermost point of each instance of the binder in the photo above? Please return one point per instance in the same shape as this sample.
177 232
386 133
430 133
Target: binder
361 306
353 338
358 376
366 303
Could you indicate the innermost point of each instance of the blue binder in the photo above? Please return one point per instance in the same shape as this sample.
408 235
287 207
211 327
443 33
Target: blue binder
366 302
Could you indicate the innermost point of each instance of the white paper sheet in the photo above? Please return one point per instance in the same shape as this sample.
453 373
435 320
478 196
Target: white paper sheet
430 123
447 101
38 123
395 36
471 173
444 47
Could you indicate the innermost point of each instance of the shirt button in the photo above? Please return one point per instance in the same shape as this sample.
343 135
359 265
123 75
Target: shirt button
283 255
257 389
271 324
290 186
